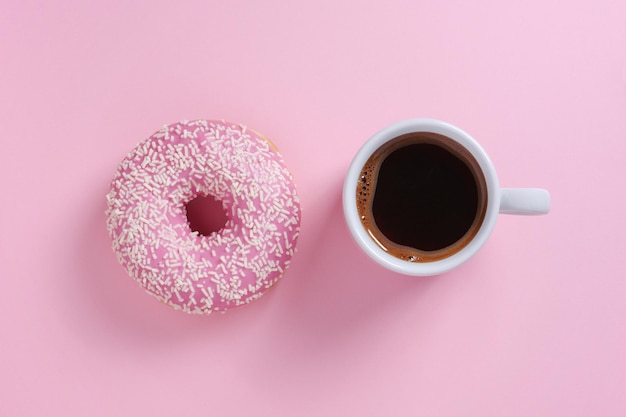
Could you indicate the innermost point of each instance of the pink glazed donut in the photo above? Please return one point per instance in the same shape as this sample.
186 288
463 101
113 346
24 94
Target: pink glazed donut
147 220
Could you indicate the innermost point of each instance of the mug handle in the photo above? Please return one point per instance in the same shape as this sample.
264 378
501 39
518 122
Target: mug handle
526 201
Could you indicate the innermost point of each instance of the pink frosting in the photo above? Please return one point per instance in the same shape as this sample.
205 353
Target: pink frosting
146 215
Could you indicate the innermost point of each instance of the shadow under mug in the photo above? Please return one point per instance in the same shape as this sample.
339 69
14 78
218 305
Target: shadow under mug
524 201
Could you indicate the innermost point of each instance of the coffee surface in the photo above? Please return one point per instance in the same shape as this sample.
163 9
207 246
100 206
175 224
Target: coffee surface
422 197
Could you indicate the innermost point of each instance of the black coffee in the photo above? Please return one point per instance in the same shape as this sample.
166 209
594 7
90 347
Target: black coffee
422 197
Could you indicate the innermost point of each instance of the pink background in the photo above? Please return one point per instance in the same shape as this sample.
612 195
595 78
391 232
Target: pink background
532 326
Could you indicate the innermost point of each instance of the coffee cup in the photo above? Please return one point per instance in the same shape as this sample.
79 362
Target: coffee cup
421 197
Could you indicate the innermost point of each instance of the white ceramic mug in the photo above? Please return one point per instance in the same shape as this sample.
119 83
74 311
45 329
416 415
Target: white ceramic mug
526 201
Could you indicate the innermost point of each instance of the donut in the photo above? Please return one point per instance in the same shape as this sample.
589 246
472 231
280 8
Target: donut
153 240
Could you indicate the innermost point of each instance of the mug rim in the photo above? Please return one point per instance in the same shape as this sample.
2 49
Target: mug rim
391 132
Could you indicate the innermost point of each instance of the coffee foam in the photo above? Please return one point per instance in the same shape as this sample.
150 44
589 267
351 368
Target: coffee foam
366 189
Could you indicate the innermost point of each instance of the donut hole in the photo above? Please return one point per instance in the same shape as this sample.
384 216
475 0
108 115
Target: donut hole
206 215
